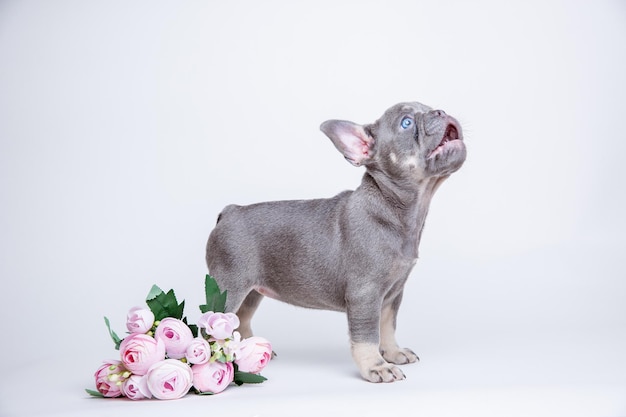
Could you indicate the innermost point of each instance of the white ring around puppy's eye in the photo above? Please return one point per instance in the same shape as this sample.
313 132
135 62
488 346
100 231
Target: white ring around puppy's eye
406 123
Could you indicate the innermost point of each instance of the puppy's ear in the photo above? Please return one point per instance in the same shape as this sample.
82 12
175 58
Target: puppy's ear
354 141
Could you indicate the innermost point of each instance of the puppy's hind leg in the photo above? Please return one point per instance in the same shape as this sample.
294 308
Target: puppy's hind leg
246 311
241 298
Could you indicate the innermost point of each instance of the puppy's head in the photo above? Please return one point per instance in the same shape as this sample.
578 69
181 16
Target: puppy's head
409 141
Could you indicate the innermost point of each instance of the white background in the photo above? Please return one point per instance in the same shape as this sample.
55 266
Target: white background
125 127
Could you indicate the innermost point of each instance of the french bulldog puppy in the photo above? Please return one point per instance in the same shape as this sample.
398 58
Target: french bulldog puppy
352 252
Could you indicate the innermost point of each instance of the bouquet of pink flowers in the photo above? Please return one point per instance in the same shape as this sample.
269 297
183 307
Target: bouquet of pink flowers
164 357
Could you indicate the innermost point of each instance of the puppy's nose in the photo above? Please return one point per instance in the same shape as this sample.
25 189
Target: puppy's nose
433 121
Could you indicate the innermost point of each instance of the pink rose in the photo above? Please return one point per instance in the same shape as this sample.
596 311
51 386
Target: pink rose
139 352
253 354
176 336
109 378
136 388
139 320
198 351
212 377
219 325
169 379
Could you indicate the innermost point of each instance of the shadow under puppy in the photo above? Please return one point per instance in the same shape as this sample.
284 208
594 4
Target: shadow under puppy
352 252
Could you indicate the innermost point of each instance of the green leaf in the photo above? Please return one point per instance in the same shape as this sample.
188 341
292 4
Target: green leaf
154 292
247 378
94 393
194 329
215 300
114 336
164 304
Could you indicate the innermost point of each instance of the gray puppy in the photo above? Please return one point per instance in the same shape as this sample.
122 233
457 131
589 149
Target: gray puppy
350 253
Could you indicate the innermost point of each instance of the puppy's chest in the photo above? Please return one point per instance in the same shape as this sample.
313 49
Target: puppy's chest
403 244
402 253
400 268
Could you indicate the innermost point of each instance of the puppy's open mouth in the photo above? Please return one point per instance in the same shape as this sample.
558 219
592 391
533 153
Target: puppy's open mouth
451 134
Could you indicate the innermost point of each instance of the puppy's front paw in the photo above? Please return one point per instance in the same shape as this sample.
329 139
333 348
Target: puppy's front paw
400 356
372 366
383 373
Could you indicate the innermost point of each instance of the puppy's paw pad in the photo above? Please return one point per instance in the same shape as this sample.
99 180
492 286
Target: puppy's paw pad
384 373
401 356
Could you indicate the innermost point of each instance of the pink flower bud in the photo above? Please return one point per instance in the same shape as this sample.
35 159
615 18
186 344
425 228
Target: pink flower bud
139 352
253 354
176 336
219 325
106 378
169 379
212 377
136 388
139 320
198 351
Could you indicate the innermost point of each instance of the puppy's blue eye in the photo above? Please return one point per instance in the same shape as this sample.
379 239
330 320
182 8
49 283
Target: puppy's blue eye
406 123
